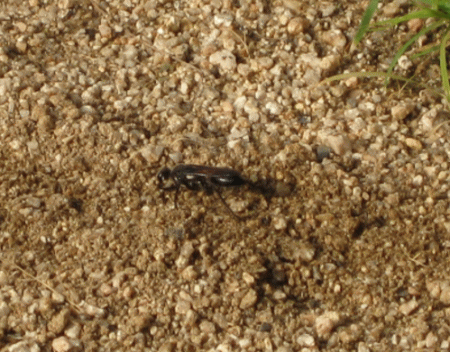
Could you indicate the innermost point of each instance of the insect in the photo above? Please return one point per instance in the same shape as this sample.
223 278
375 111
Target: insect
198 178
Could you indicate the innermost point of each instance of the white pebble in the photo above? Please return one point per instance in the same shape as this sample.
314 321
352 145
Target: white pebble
418 180
225 59
92 310
428 119
73 331
24 346
405 63
245 343
306 340
408 307
223 20
184 88
61 344
335 38
330 62
279 295
325 323
274 108
280 223
239 103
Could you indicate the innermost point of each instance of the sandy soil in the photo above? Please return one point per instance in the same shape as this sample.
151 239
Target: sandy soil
349 254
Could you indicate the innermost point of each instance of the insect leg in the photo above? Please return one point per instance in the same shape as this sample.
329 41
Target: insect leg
227 206
175 198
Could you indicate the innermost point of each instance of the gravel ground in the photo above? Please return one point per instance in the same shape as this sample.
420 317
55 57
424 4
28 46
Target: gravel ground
350 252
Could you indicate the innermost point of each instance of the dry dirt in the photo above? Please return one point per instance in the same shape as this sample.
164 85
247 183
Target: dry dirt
349 254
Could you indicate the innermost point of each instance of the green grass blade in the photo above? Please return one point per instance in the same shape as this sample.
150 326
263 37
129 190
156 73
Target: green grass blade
402 50
425 51
442 5
371 8
424 14
384 75
443 64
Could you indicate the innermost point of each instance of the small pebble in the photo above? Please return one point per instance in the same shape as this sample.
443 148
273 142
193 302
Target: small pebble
4 309
62 344
280 223
130 53
306 340
73 331
23 346
408 307
265 63
297 25
325 323
182 307
249 300
413 143
392 8
151 153
431 340
339 144
279 295
434 288
274 108
405 63
445 295
224 59
59 321
207 327
401 111
335 38
415 24
105 30
417 180
92 310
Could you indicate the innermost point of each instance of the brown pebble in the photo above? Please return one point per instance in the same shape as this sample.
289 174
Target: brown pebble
413 143
249 300
445 295
62 344
415 24
401 111
59 321
325 323
297 25
408 307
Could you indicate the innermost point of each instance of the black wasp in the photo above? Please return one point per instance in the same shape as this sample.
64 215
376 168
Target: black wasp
201 178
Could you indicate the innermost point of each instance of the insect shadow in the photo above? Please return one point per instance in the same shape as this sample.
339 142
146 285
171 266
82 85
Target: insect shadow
211 179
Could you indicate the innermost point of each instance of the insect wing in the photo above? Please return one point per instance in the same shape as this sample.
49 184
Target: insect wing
227 177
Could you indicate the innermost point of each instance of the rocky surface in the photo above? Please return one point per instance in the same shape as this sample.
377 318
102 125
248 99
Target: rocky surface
350 253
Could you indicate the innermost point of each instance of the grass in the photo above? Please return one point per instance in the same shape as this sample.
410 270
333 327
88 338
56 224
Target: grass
436 14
